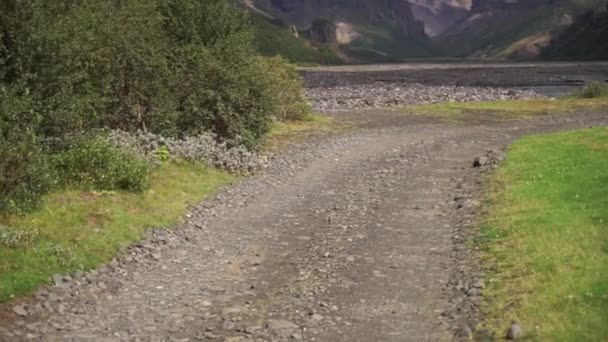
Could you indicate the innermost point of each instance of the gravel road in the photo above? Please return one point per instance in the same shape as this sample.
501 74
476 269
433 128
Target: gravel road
357 236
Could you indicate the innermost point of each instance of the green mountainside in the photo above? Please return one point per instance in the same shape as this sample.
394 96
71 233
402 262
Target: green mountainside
366 31
511 31
334 31
586 39
274 38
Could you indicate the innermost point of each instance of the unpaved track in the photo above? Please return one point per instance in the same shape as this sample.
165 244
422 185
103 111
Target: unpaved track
349 238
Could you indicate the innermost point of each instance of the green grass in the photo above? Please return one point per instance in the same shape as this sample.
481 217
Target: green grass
75 230
513 109
545 240
592 90
286 132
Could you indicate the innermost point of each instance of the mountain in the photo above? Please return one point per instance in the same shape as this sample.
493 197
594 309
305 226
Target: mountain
355 30
439 15
580 40
516 29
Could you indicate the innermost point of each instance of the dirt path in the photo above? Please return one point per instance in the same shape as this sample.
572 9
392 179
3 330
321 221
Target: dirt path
348 238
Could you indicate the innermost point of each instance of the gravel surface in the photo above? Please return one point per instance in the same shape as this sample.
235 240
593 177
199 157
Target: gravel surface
385 94
359 237
505 75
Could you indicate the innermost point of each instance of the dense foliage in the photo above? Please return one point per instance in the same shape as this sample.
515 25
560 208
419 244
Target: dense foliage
177 68
95 163
585 39
24 171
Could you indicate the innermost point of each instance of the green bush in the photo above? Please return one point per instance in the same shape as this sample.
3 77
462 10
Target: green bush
95 163
218 80
100 64
286 89
24 170
230 100
593 90
171 67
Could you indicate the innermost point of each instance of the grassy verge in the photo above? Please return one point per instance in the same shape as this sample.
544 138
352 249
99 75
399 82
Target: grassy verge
545 241
285 132
76 230
515 109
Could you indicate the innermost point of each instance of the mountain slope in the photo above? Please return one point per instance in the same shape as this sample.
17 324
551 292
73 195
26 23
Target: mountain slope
358 30
587 38
273 38
510 28
439 15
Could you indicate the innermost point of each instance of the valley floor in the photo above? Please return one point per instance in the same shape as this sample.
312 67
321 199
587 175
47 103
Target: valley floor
352 236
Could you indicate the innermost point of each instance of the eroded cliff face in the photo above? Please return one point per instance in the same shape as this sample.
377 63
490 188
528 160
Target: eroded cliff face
303 13
439 15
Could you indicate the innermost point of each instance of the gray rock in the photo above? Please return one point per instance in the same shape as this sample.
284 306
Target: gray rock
282 327
317 317
61 281
514 332
481 161
464 333
21 310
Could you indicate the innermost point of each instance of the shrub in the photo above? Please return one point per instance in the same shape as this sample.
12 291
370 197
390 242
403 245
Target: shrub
100 64
593 90
286 89
95 163
218 80
24 171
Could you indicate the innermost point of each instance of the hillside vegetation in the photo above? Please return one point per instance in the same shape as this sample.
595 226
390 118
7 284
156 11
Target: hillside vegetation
585 39
273 38
491 33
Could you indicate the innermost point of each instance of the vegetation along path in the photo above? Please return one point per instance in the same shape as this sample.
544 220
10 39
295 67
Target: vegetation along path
349 237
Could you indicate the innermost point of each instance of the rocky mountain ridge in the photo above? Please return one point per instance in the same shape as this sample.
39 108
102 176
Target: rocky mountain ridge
360 30
393 30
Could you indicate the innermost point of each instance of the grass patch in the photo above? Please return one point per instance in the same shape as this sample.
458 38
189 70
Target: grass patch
592 90
76 230
545 241
285 132
513 109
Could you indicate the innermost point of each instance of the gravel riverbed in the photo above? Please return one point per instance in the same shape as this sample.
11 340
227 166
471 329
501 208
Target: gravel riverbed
386 94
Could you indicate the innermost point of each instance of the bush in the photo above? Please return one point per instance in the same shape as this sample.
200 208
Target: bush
95 163
100 64
218 80
24 172
593 90
286 89
171 67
